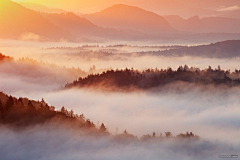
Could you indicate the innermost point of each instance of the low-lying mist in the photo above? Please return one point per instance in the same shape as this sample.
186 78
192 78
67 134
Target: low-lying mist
210 112
110 55
41 142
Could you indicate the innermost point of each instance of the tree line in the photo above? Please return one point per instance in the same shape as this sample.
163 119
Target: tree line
20 113
126 79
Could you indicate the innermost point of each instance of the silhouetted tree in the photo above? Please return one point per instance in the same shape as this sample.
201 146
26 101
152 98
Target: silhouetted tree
30 105
154 134
71 113
10 103
168 134
103 128
89 124
63 110
1 109
82 116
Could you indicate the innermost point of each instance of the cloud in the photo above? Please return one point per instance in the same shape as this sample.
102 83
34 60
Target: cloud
231 8
207 111
29 36
59 143
210 112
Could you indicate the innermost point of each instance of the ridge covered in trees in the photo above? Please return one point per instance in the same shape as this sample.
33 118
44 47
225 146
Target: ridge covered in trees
4 57
20 113
224 49
128 79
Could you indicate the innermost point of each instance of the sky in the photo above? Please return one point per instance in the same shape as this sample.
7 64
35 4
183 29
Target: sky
86 6
75 5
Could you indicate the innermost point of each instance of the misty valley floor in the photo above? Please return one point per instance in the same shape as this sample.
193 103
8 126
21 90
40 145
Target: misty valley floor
146 98
119 79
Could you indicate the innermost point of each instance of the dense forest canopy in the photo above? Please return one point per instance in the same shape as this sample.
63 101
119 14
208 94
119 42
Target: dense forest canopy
20 113
128 79
224 49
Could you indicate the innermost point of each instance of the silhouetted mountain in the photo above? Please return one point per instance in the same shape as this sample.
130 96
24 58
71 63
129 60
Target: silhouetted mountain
130 19
225 49
201 12
128 80
82 27
205 25
186 8
18 22
232 14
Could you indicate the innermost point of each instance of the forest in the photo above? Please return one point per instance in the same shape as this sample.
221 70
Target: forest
22 113
119 79
130 79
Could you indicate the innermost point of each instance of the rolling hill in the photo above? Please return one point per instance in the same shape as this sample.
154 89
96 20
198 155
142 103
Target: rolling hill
232 14
129 18
205 25
224 49
82 27
18 22
155 79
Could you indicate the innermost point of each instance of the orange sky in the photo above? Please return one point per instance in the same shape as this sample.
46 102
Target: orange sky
76 5
86 6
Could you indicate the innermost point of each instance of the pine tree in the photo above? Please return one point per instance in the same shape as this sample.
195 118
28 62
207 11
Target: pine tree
1 109
10 103
103 128
1 106
30 105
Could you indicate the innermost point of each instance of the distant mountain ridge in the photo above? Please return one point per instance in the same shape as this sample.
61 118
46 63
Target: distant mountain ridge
81 27
205 25
130 18
119 22
17 21
224 49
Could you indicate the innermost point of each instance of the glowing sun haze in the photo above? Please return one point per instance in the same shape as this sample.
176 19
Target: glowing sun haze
162 7
76 5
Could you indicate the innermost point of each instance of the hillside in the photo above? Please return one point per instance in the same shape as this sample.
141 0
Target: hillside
232 14
17 22
130 18
205 25
130 80
22 112
82 27
225 49
4 58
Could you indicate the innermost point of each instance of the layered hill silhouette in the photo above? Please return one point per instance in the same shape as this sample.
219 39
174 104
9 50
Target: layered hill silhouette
224 49
19 22
130 18
205 25
130 80
83 27
23 113
186 8
232 14
119 22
